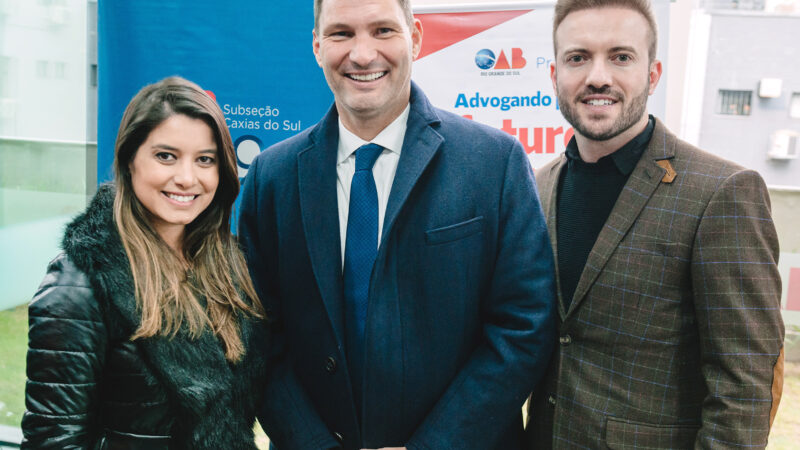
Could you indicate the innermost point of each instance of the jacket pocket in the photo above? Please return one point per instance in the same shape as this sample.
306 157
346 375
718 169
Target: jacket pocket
454 232
674 250
624 434
117 440
665 248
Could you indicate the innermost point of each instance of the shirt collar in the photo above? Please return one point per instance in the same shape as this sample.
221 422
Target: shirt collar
391 138
626 157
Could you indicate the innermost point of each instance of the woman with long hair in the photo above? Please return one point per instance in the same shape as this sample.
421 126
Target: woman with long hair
146 332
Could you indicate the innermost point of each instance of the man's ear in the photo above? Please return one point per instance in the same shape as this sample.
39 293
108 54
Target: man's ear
315 47
416 38
655 75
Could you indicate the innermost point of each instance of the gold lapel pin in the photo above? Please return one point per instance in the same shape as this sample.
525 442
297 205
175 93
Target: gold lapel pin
669 177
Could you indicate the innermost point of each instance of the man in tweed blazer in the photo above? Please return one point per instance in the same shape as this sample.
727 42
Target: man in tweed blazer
669 296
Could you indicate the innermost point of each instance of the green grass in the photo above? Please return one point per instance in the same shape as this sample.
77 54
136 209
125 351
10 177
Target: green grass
13 346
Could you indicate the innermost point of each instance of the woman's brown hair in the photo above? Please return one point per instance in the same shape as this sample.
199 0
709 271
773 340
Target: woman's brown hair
170 288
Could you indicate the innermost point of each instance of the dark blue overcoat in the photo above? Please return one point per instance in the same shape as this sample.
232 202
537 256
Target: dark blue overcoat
461 306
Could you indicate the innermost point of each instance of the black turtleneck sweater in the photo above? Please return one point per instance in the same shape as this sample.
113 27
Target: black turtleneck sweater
586 194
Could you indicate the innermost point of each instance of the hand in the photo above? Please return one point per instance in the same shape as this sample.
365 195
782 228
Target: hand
388 448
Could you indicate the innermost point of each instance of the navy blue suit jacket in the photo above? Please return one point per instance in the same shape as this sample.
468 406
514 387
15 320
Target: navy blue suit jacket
461 307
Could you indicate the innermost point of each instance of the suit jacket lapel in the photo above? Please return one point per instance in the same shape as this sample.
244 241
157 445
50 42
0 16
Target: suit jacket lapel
549 195
419 145
641 185
316 167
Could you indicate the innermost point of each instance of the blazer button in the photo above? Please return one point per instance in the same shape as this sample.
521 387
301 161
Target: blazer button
338 437
565 340
551 400
330 364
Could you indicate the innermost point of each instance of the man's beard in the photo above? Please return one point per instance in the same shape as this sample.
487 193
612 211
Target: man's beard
628 118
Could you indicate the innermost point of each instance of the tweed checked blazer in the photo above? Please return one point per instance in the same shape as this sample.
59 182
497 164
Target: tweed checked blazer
674 338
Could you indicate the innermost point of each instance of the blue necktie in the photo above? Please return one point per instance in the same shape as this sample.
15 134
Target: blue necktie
361 248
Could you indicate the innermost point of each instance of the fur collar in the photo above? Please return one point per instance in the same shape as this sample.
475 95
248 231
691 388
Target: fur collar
216 401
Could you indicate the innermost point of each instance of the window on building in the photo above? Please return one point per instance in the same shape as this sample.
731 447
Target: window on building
735 103
53 2
60 70
794 106
42 69
93 75
7 76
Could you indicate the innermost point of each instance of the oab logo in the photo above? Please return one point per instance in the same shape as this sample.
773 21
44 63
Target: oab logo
485 59
247 148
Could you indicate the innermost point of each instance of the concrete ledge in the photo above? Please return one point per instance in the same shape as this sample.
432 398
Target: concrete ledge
10 437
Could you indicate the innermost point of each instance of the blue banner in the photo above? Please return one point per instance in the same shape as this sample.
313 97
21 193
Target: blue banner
255 57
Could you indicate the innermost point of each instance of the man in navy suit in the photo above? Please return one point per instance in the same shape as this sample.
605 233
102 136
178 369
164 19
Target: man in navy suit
411 292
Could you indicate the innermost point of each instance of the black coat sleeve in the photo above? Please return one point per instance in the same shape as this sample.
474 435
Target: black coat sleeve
66 352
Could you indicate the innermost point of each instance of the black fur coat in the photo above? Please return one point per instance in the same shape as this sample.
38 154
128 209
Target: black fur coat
90 386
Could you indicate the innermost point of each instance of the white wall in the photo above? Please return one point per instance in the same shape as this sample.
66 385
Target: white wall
45 43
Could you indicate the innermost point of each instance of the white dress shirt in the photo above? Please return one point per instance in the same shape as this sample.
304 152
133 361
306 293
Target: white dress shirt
391 139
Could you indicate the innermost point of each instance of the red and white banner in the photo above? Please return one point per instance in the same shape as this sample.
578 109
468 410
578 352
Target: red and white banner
491 64
494 67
